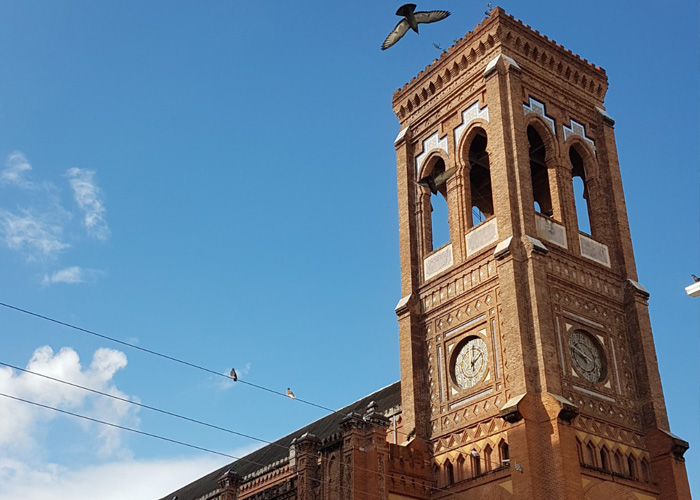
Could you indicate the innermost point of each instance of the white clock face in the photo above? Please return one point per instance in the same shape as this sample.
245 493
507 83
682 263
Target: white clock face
471 362
587 357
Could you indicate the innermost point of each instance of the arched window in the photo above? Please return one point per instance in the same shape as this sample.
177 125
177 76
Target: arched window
590 454
479 181
476 463
646 476
436 182
578 177
436 475
579 450
449 473
488 452
618 463
604 458
461 468
503 452
632 467
538 171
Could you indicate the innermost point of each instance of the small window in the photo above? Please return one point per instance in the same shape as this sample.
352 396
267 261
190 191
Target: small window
476 463
604 458
461 468
619 465
646 476
488 452
503 452
590 454
579 450
632 467
449 473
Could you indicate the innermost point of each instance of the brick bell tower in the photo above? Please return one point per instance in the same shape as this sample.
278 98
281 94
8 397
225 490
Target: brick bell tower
528 366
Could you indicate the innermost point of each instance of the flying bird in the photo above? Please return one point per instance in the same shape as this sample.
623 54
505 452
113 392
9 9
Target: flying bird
695 278
411 20
290 394
433 182
233 374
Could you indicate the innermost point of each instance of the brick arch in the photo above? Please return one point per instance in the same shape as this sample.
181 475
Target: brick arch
478 188
475 127
551 144
429 163
590 162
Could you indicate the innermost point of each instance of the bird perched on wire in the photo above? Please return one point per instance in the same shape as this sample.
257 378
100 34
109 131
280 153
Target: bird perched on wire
433 182
290 394
411 19
233 374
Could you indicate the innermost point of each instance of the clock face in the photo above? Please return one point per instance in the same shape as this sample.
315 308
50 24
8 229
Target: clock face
587 357
470 363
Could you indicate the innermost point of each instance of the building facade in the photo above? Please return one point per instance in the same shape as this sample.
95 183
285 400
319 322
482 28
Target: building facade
528 367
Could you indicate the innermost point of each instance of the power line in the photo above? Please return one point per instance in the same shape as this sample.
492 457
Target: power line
152 408
124 428
156 353
177 360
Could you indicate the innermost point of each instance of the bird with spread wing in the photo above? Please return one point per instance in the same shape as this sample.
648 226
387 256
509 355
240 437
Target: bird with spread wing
411 19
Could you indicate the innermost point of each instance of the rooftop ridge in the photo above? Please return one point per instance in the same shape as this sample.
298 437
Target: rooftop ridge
274 467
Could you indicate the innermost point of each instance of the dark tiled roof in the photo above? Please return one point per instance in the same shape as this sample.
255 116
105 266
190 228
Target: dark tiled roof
386 398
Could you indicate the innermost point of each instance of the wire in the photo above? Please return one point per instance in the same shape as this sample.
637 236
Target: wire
117 426
177 360
156 353
125 400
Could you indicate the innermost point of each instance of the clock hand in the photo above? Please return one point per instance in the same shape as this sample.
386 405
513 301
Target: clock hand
479 354
583 354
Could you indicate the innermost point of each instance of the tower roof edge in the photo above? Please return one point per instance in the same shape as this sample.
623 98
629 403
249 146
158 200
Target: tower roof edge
511 33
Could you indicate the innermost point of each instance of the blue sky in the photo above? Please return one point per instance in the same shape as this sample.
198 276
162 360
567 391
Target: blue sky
216 181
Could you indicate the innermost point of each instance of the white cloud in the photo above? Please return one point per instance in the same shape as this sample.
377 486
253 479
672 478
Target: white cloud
111 481
24 474
16 167
72 275
21 422
35 234
89 198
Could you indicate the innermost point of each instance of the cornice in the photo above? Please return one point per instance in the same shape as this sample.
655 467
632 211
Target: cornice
466 59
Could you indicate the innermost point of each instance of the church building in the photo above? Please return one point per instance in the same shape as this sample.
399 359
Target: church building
528 366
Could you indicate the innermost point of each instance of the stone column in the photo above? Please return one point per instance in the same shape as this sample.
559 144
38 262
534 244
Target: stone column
305 453
229 482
